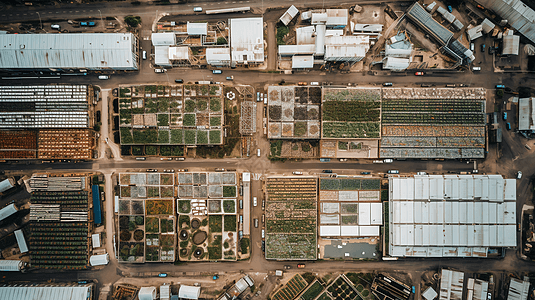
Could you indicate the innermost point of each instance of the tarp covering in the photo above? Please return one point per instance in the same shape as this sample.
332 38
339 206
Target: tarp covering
97 211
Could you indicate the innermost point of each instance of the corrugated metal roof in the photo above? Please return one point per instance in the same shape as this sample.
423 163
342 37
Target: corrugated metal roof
475 32
7 265
197 28
163 39
377 28
7 211
511 44
68 51
178 53
302 61
161 56
518 290
459 214
147 293
395 63
337 17
319 18
418 14
45 292
189 292
480 290
451 285
289 15
217 56
346 47
6 184
487 26
526 114
520 16
287 50
247 40
305 35
430 293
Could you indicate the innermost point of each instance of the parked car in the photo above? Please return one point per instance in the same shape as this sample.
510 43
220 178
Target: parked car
419 73
162 275
508 126
230 77
144 54
55 26
314 83
83 23
152 170
287 267
327 171
343 159
297 173
483 48
197 9
91 24
388 161
217 71
505 116
421 173
300 266
302 83
159 70
365 173
388 84
476 68
180 158
104 77
518 174
393 172
378 161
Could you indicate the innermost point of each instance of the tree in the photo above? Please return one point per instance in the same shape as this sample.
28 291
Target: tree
132 21
221 41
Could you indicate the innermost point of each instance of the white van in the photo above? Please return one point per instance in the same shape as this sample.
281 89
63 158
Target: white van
314 83
197 9
388 161
217 71
258 152
263 234
476 68
55 26
255 201
144 54
104 77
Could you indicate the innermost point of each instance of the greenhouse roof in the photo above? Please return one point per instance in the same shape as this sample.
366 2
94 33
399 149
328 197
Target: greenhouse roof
46 292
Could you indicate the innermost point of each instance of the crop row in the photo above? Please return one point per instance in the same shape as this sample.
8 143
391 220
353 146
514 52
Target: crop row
432 118
353 111
60 266
438 105
350 130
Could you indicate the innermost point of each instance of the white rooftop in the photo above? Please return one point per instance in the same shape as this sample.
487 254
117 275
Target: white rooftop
163 39
178 53
197 28
451 285
451 215
189 292
46 292
302 61
526 114
247 40
68 51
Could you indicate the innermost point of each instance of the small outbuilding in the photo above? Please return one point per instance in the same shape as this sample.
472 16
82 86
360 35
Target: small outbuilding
188 292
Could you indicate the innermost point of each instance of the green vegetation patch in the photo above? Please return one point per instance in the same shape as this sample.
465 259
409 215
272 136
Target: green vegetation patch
202 105
352 111
215 223
152 224
202 137
159 207
312 292
230 223
229 206
163 120
189 120
126 136
215 137
151 150
163 137
350 130
229 191
189 106
190 137
148 136
300 129
306 225
215 121
215 104
177 136
184 206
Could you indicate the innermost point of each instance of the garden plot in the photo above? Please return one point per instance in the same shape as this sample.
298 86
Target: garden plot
293 112
291 218
343 289
291 289
177 114
146 185
351 113
433 123
312 291
131 238
247 118
160 238
298 149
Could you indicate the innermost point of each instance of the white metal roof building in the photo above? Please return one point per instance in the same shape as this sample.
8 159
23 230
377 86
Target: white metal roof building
487 26
429 294
78 292
305 36
147 293
21 241
7 265
302 61
289 50
218 56
451 215
288 16
511 44
247 40
526 114
165 292
346 48
451 285
94 51
518 289
179 53
8 211
44 106
197 28
336 18
6 184
161 42
189 292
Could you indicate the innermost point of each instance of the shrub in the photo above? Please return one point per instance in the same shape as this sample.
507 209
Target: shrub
183 219
139 220
244 245
132 226
281 32
125 235
184 206
225 245
138 235
215 121
221 41
306 147
132 21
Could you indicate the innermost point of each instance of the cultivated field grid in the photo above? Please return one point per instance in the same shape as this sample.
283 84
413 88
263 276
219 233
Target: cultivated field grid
291 218
171 114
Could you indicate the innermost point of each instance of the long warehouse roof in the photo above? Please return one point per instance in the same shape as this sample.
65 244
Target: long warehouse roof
68 51
451 215
45 292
